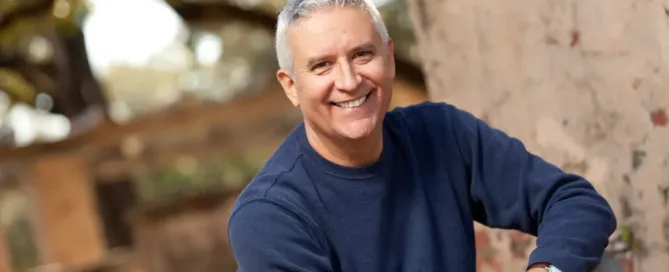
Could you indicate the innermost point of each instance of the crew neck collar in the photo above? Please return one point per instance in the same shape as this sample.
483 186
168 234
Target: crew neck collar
339 170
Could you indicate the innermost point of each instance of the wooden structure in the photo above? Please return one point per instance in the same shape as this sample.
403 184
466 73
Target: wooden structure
187 235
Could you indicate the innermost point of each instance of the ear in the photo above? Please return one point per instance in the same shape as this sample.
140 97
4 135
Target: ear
391 57
288 85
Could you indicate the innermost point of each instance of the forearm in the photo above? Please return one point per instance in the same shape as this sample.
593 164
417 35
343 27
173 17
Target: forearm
574 228
511 188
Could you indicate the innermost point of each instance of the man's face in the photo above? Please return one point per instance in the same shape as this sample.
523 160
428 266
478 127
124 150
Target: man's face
342 72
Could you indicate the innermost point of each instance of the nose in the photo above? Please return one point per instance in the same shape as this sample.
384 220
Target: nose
347 79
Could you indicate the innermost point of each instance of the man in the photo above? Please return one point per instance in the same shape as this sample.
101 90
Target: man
357 188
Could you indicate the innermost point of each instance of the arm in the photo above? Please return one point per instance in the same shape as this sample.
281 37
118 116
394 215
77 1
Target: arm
265 236
511 188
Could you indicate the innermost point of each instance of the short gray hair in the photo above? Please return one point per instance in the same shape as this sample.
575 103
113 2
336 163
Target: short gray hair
294 10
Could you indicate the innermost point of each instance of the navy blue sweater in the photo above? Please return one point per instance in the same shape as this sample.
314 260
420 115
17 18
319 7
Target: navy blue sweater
413 210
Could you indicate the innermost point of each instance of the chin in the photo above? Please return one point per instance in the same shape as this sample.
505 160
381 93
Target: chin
358 129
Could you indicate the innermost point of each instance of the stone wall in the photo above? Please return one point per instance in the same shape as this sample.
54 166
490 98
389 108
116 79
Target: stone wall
584 84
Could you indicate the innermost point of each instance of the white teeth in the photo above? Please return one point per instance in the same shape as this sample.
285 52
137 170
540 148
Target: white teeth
352 104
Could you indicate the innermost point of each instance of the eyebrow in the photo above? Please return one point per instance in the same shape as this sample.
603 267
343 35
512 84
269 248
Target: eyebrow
364 46
317 59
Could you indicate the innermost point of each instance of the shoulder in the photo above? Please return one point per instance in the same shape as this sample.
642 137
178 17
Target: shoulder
432 119
275 182
430 113
277 188
422 108
272 208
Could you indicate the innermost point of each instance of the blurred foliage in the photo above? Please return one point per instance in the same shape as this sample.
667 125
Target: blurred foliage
21 244
27 43
399 26
269 7
67 14
394 13
212 62
16 87
15 47
16 225
237 69
246 60
70 14
13 6
189 175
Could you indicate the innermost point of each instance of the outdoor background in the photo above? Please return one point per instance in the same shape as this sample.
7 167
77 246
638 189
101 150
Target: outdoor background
128 127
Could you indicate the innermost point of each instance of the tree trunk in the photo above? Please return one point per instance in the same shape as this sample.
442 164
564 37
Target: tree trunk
584 84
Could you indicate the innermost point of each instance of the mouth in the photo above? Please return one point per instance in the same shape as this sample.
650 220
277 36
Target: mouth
352 103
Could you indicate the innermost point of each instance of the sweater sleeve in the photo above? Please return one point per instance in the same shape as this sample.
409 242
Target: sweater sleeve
285 244
511 188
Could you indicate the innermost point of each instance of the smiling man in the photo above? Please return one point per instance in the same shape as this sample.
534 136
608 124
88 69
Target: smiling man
357 188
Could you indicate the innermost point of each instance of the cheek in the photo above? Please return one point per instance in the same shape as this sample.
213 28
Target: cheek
376 72
316 93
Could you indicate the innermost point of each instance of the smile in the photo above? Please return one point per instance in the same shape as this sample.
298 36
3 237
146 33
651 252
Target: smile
352 103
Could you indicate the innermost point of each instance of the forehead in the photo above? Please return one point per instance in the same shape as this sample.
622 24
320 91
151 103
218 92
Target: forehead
332 28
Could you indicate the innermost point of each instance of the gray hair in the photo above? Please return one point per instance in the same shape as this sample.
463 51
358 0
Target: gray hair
297 9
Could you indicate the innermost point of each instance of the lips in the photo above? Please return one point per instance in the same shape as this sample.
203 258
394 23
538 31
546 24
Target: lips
351 103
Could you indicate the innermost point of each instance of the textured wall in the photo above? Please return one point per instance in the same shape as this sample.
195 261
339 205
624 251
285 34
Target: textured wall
584 84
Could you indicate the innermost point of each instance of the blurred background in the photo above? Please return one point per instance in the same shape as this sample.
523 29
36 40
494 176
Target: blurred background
128 127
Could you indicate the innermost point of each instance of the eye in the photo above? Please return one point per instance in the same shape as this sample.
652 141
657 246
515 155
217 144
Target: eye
362 54
320 65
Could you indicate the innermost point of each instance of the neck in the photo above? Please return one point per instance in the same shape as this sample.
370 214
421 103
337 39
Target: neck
345 152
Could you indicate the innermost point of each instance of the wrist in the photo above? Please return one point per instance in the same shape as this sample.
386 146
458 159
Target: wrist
542 267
